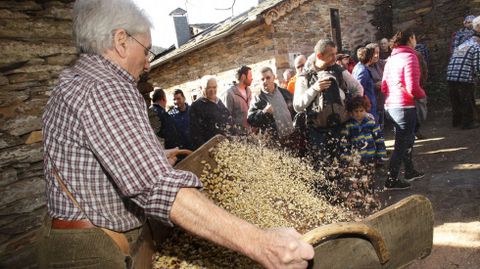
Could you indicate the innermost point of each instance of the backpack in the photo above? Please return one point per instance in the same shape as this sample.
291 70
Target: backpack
327 110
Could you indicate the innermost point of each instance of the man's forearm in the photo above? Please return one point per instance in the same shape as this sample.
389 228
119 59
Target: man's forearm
273 248
198 215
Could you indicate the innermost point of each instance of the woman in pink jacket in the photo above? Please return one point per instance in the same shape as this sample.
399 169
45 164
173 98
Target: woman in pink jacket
401 87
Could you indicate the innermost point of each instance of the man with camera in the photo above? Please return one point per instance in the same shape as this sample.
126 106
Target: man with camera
321 92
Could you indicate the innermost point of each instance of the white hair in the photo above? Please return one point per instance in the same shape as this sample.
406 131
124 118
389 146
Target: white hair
204 82
95 21
476 23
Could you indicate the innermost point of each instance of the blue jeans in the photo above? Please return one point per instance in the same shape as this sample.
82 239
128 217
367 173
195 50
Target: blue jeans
404 121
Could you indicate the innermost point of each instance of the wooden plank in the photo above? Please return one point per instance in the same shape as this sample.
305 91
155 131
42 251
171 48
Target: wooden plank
406 228
193 162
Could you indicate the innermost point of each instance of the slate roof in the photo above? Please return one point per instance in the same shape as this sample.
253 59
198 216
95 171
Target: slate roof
227 27
202 26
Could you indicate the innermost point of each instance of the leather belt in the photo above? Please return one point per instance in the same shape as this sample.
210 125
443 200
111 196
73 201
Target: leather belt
118 238
72 224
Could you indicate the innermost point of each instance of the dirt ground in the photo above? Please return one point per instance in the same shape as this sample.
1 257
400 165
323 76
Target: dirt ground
450 158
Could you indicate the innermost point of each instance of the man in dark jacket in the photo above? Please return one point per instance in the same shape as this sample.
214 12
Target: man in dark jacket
180 114
272 110
167 129
208 115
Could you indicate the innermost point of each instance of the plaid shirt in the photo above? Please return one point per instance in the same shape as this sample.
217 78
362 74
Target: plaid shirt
461 36
465 61
97 135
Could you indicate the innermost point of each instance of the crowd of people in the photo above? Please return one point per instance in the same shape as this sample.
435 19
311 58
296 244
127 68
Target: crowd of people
107 172
319 114
307 112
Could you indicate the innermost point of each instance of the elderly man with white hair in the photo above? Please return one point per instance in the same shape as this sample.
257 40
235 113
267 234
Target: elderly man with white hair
462 71
105 169
208 114
464 33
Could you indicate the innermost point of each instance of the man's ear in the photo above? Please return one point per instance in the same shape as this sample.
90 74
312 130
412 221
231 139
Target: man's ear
120 43
319 55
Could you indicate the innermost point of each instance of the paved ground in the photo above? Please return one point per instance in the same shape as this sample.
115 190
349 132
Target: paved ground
450 159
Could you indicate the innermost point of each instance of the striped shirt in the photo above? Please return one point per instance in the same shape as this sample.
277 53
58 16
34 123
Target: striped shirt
364 137
98 136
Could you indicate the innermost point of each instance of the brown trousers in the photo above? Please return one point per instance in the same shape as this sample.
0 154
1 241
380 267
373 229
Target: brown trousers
92 248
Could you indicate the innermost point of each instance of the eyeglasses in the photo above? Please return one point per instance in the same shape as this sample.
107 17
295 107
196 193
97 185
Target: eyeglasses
300 66
148 53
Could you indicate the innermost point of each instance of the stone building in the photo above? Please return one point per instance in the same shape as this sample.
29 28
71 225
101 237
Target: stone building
36 44
271 34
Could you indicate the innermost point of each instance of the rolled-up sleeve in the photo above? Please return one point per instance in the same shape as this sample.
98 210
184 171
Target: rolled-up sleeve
117 130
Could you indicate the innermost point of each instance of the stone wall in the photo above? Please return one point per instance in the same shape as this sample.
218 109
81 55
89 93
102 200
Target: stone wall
36 43
299 31
434 21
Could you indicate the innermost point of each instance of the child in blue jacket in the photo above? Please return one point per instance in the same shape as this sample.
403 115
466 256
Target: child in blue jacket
362 134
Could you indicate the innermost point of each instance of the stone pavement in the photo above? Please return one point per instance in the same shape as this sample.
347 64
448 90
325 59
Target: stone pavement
450 158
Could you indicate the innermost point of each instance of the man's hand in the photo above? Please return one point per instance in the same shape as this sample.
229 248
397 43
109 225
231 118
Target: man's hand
322 85
272 248
268 109
172 155
282 248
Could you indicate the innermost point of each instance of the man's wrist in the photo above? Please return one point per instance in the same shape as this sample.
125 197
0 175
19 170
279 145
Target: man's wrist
253 242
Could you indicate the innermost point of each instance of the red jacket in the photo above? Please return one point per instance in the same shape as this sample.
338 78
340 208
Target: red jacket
401 78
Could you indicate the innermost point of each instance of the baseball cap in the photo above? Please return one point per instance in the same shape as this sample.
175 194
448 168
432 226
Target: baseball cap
469 18
341 56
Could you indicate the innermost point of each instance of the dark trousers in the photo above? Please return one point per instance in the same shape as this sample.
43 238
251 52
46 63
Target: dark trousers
323 145
462 98
404 121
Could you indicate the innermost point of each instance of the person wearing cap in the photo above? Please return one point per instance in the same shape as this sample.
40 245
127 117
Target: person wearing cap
342 60
464 33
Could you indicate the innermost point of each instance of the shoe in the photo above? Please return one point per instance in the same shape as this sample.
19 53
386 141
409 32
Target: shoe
471 126
397 185
414 176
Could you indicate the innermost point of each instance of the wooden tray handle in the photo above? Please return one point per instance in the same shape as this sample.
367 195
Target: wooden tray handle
331 231
183 152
